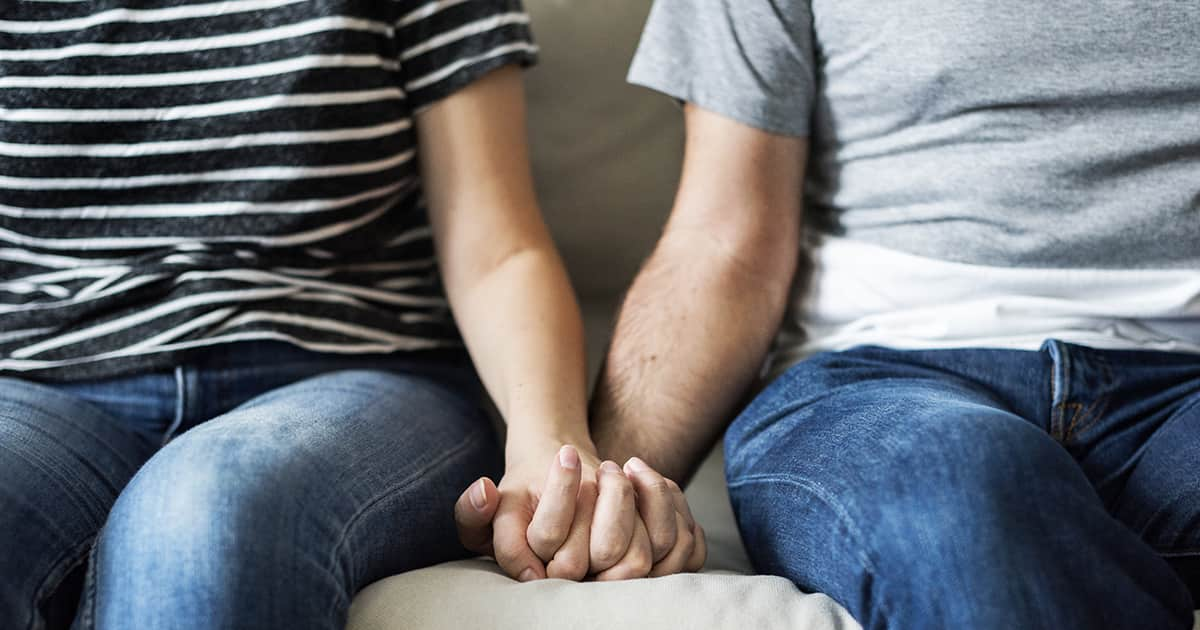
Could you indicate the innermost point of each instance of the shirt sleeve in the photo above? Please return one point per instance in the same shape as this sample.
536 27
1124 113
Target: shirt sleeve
749 60
444 45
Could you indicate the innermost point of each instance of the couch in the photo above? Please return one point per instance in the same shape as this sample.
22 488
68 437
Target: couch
606 158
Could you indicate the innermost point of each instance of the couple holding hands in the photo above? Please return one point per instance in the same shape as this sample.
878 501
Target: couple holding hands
260 259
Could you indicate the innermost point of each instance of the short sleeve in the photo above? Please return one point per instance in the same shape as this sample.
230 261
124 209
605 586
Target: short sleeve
446 44
750 60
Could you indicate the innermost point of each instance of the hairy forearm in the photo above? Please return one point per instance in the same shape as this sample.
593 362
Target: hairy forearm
523 330
690 339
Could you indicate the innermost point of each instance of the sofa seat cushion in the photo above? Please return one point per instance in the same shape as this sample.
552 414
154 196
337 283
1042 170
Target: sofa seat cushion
475 594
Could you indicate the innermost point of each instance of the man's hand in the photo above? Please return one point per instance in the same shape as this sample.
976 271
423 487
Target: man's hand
580 518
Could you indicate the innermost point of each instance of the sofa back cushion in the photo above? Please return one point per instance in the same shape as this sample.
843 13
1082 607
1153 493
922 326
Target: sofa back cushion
606 154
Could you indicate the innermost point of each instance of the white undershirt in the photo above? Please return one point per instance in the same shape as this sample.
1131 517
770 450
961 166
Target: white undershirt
861 293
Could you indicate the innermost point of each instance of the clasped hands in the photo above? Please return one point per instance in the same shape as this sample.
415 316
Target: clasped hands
581 518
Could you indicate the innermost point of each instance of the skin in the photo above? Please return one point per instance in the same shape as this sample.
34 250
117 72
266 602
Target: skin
558 511
699 318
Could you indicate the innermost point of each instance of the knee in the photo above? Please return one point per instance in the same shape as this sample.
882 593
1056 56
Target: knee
209 528
209 495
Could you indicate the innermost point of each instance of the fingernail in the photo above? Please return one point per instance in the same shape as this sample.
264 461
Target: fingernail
568 457
636 465
479 496
610 467
527 575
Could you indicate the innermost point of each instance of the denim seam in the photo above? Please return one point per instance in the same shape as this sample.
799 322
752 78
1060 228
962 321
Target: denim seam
344 535
1061 391
1053 395
1077 409
844 521
180 405
58 572
1083 418
87 608
1095 411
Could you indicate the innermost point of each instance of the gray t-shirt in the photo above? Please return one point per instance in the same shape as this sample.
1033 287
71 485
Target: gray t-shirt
1062 135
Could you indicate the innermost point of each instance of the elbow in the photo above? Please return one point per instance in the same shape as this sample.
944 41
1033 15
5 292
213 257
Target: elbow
467 274
761 256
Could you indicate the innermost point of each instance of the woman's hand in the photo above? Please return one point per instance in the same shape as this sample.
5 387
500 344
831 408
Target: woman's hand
579 518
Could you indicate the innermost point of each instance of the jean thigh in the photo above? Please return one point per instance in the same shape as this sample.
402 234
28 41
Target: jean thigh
917 499
282 509
388 452
62 463
1160 495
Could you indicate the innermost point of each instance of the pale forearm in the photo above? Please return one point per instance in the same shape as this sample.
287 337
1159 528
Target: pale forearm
523 330
691 337
506 284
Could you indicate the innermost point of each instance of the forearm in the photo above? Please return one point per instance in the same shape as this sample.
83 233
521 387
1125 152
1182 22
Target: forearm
523 330
691 337
506 284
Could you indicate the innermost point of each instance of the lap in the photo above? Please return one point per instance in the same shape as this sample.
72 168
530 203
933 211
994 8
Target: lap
897 448
314 489
844 418
890 486
345 446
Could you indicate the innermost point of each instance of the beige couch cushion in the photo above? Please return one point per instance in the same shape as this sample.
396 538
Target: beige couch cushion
606 154
471 594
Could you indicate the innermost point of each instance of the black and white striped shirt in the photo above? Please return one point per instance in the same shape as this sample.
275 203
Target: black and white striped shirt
179 174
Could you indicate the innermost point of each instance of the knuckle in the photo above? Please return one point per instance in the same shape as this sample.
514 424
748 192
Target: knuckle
570 566
507 554
662 541
622 490
546 534
666 530
687 542
606 551
658 486
640 564
504 558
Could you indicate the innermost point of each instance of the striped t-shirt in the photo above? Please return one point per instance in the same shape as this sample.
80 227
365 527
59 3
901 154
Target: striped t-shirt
180 174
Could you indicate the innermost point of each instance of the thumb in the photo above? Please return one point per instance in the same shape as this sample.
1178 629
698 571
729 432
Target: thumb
473 514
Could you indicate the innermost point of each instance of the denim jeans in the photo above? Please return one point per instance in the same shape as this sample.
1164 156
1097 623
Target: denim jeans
983 489
288 481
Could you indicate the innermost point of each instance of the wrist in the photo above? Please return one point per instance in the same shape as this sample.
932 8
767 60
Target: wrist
523 444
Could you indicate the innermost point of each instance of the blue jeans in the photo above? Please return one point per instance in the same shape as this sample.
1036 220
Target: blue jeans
983 489
288 481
